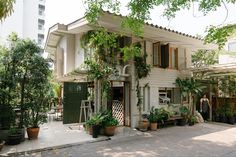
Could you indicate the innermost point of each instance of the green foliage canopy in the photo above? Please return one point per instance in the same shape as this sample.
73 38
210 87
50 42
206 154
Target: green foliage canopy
6 8
140 13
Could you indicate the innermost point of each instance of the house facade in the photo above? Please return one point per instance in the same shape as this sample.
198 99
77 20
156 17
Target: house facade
161 46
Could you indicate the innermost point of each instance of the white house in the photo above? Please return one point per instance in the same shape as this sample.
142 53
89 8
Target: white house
63 45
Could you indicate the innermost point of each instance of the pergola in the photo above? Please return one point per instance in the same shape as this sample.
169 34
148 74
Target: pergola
217 70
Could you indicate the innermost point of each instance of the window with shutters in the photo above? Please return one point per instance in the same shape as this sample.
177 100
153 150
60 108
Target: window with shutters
156 54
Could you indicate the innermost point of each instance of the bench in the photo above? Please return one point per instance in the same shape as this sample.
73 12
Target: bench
172 120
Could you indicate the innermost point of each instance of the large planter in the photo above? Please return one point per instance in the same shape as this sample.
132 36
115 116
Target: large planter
153 126
22 131
95 129
110 130
182 122
1 144
143 125
32 133
231 120
4 134
14 139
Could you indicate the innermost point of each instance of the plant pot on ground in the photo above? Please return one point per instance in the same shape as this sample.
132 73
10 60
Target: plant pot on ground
153 118
143 125
110 126
33 123
2 143
96 122
192 120
230 116
14 137
184 111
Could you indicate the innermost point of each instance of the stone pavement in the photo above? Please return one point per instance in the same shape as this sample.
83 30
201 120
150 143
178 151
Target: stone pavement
201 140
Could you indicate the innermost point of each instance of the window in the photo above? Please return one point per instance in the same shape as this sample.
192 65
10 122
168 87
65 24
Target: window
41 9
173 58
169 96
156 54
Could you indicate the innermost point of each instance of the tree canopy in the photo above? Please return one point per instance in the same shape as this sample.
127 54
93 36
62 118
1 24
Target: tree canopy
6 8
140 13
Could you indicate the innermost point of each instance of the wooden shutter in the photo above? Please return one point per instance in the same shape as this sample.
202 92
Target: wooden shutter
165 56
176 58
156 54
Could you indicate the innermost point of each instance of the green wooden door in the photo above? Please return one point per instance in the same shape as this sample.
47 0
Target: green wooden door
72 96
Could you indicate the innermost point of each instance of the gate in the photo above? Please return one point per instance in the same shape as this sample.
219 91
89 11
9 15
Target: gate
73 94
118 111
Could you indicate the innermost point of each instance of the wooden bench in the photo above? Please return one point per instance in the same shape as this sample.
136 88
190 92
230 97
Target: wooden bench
172 120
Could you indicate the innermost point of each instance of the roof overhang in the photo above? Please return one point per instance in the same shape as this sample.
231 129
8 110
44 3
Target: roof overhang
113 22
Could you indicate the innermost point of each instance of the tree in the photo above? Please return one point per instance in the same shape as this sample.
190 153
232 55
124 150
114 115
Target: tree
6 8
24 76
190 88
140 13
203 58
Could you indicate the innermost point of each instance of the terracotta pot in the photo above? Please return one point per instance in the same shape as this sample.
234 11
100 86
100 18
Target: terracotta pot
1 145
90 130
110 130
143 125
153 126
32 133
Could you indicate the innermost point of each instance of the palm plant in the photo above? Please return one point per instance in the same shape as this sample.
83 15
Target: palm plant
190 88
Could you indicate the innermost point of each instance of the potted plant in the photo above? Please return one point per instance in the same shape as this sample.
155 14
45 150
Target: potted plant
33 121
14 136
153 117
97 120
192 120
230 116
184 111
110 126
88 124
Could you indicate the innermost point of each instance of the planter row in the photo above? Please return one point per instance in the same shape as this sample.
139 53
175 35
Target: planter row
224 119
96 130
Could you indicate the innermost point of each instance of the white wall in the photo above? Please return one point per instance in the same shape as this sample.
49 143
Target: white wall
79 52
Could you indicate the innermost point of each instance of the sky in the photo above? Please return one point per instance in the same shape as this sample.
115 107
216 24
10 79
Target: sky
186 21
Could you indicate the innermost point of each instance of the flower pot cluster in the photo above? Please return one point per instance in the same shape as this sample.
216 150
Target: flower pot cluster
161 117
102 123
24 89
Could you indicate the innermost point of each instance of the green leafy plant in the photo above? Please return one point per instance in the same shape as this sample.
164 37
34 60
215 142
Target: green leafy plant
153 116
184 111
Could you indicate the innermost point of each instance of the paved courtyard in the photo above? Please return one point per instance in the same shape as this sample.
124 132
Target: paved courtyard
202 140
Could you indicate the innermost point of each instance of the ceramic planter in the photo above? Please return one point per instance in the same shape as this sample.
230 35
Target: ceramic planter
32 133
110 130
153 126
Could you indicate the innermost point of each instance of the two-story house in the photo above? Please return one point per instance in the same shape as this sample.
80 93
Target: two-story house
168 53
